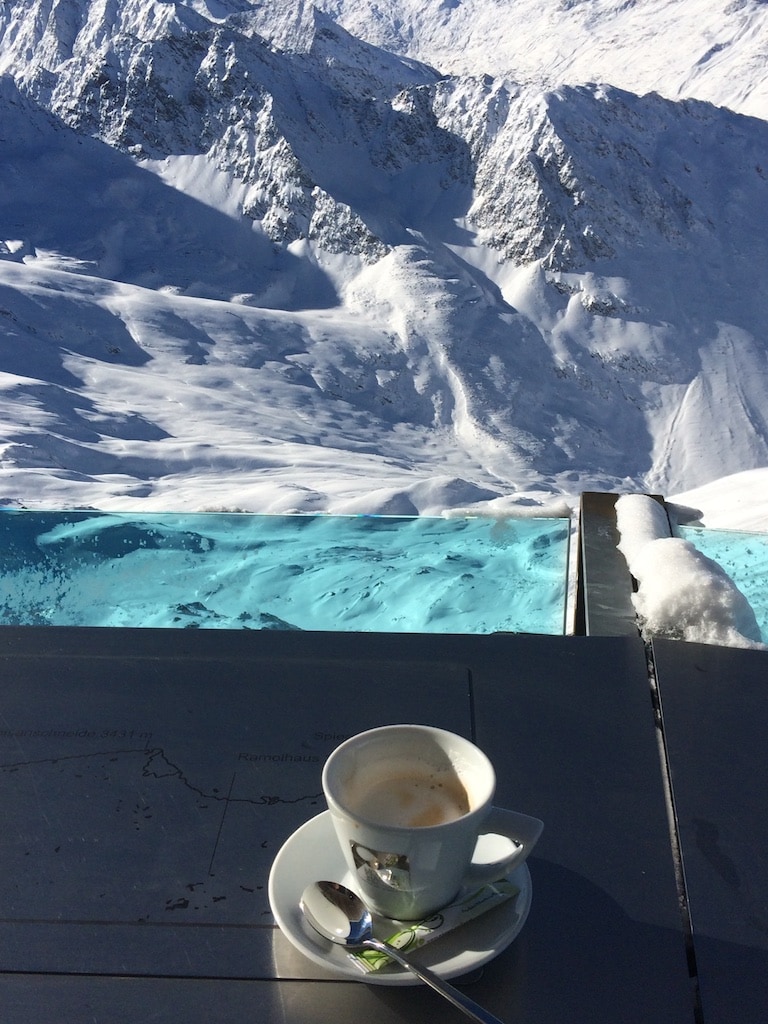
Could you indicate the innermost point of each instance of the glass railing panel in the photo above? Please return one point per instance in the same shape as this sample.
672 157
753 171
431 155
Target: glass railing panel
744 556
323 572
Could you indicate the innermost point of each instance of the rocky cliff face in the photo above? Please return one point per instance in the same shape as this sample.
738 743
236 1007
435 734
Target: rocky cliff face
154 79
569 177
582 175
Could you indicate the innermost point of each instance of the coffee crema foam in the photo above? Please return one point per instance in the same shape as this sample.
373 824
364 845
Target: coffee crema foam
415 796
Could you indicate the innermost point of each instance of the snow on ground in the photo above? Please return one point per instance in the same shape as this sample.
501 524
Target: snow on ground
118 397
735 502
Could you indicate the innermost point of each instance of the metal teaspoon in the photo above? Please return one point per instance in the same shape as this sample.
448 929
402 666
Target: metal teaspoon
340 915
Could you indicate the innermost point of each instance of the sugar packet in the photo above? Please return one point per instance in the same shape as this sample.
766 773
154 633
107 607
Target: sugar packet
412 936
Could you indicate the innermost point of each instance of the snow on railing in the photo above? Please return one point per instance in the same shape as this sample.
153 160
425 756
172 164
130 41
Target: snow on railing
681 593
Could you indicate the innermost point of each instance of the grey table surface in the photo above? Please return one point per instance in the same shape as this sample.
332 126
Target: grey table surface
148 777
715 710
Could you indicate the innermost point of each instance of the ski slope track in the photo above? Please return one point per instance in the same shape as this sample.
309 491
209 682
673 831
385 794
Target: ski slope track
400 258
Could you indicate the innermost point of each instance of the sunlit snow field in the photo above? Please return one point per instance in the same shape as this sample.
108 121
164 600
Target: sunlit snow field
241 571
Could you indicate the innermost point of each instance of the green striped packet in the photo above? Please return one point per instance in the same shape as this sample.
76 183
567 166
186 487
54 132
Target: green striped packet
412 936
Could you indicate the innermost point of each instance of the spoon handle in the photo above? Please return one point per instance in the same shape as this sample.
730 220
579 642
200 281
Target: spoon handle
453 995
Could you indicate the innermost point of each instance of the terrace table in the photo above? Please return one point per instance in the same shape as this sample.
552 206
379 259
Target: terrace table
715 711
148 777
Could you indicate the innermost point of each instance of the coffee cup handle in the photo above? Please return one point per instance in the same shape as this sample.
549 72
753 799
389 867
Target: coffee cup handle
506 839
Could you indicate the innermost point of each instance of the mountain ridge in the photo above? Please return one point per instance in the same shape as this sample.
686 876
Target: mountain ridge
686 49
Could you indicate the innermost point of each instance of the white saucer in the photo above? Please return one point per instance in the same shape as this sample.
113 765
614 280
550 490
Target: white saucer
313 853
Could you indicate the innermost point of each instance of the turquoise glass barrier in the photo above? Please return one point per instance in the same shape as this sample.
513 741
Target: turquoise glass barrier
242 571
744 556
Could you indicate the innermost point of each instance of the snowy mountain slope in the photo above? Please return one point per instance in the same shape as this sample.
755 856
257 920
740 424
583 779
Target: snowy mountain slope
666 204
319 275
713 50
74 196
135 391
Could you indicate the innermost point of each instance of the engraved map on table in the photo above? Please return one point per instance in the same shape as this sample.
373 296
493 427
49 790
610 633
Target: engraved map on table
153 794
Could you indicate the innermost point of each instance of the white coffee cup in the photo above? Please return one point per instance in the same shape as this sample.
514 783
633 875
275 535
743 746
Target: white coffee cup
413 811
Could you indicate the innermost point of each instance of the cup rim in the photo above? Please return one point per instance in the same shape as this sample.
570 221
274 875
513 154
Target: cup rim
334 803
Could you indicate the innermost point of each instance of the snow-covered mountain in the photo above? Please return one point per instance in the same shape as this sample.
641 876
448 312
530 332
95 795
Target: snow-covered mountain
714 50
395 257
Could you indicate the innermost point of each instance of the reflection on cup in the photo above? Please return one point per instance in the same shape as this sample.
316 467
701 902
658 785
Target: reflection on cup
377 868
